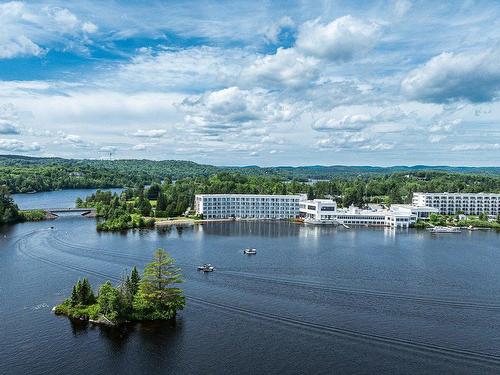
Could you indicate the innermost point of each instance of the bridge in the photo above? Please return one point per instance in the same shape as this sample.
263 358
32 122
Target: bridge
87 212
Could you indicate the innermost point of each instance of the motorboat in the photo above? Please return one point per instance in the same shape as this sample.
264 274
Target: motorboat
250 251
207 267
445 230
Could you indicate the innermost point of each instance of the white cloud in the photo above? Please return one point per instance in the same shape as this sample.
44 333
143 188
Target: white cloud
108 149
181 70
233 109
9 121
401 7
472 76
15 145
445 126
382 119
476 147
286 68
339 40
151 133
273 32
29 29
63 139
64 18
8 128
435 138
348 122
139 147
18 46
353 141
89 27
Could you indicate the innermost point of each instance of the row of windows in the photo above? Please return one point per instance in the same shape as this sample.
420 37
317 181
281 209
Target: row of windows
250 216
362 218
250 199
249 204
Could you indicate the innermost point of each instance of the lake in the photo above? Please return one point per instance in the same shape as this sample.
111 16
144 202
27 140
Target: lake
315 299
54 199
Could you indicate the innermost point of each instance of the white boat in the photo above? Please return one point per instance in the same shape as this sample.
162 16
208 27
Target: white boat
250 251
206 268
445 230
320 222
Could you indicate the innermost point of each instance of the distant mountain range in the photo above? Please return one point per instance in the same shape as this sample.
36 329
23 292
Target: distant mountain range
182 168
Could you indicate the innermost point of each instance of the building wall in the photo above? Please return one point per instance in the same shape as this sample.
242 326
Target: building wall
221 206
451 203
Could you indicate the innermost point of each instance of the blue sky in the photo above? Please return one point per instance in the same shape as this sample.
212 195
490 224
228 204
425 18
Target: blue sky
253 82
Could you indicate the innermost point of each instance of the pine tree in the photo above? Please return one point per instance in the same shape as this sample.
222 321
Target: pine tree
157 297
87 294
144 206
161 203
134 280
79 292
74 297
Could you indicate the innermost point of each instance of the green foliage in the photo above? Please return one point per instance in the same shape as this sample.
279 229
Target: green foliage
9 213
158 298
77 312
134 281
110 301
143 205
82 293
161 203
151 297
32 215
421 224
24 174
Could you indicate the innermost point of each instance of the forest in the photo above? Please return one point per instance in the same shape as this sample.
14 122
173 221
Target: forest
27 174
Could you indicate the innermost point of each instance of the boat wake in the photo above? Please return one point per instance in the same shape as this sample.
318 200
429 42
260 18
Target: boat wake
309 326
291 282
364 292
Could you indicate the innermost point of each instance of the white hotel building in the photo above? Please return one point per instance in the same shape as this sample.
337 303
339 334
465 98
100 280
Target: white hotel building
451 203
251 206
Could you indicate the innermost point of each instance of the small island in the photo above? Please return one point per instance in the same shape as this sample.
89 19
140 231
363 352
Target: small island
152 296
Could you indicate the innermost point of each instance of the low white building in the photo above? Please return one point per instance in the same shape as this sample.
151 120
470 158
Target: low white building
422 213
252 206
451 203
325 211
319 209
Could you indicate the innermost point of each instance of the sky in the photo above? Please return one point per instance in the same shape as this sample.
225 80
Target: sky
395 82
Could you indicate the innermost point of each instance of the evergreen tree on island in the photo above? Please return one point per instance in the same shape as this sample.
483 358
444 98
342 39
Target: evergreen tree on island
158 297
154 296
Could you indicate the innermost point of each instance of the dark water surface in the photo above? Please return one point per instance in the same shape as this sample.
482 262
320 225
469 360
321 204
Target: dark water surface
313 300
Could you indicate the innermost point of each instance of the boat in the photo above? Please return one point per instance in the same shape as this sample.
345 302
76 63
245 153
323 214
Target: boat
250 251
207 267
320 222
445 230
